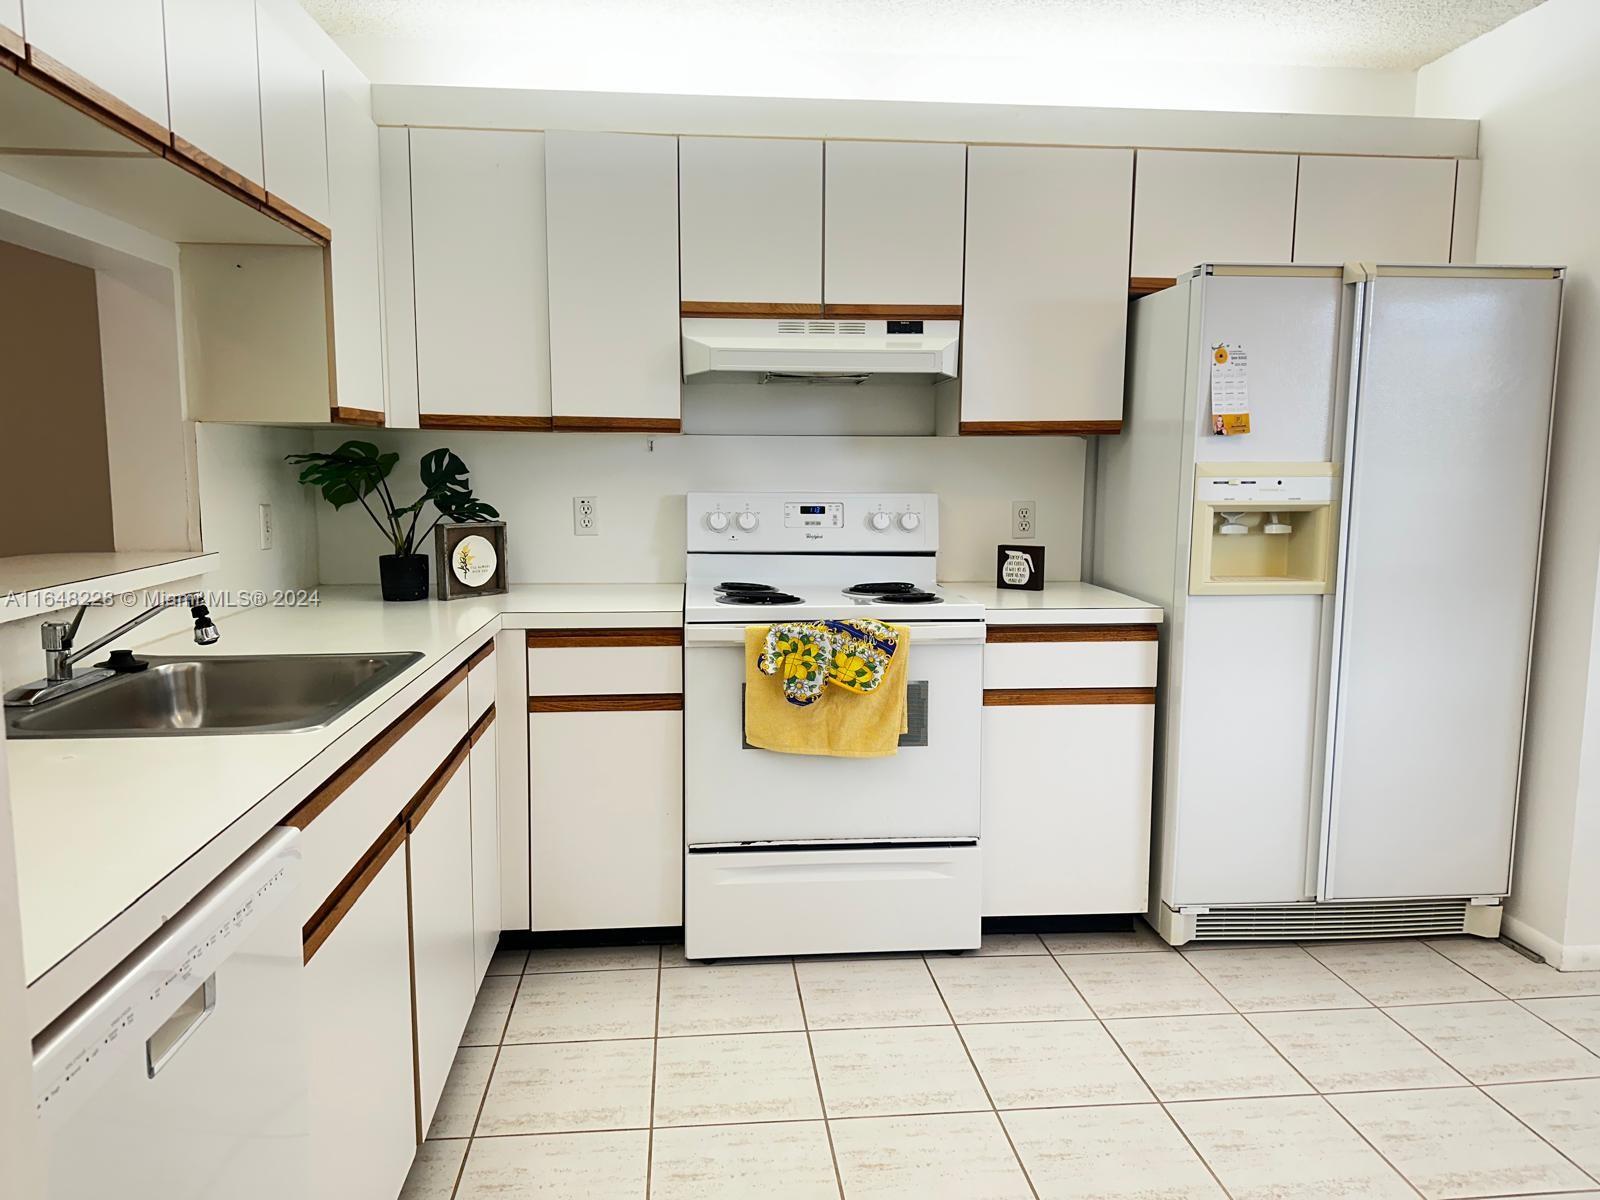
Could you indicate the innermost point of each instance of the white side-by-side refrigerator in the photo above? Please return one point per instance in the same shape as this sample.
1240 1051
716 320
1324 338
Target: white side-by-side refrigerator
1350 575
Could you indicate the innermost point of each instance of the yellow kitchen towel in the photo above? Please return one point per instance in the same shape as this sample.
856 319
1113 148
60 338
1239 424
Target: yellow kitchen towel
840 723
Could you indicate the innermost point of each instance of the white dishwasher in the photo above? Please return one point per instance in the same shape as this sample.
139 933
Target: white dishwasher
183 1074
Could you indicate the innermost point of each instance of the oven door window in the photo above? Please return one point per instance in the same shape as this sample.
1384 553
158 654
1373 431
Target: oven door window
916 734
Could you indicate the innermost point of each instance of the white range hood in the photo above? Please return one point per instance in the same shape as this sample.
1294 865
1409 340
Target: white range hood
816 350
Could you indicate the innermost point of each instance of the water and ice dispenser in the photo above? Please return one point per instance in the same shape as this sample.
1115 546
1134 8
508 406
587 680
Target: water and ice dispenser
1263 529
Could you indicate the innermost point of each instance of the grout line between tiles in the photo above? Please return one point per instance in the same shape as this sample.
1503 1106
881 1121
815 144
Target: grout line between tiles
1370 1144
816 1076
1589 1175
655 1054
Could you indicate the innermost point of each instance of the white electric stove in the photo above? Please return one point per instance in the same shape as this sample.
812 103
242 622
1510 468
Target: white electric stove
798 854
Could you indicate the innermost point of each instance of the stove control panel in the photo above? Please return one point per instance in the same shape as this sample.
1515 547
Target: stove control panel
823 523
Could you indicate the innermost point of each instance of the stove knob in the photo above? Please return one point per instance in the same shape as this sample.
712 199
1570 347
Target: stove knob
748 521
716 521
880 521
909 521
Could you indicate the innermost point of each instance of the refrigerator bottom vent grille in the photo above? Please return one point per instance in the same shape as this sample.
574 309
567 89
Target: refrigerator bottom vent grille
1400 918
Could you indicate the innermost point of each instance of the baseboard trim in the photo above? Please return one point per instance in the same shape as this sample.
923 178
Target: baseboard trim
1557 954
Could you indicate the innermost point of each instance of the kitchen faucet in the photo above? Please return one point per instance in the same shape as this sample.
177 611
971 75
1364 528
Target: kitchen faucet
59 655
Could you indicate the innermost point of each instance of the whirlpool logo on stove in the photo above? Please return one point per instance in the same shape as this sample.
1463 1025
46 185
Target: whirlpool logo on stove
813 537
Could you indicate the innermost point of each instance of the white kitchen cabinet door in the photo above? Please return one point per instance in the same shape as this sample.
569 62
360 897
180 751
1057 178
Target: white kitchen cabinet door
750 218
1392 210
612 214
11 27
355 253
1202 206
1464 226
482 305
117 46
484 765
1043 330
399 279
606 806
294 131
213 89
442 935
1066 808
894 218
358 1008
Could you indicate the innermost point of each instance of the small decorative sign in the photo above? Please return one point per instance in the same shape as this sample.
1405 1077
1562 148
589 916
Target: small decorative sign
1020 568
470 558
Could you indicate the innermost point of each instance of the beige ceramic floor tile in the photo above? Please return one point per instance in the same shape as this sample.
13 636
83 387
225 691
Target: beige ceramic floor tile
1023 988
959 1156
743 1077
1287 1149
594 958
673 956
758 999
568 1086
434 1170
584 1006
1273 979
1400 973
1141 938
1354 1050
1498 1042
1578 1017
869 994
894 1072
457 1111
1567 1115
1513 975
1048 1064
566 1166
1128 1152
1457 1143
1142 985
508 962
789 1161
1003 944
487 1025
1205 1058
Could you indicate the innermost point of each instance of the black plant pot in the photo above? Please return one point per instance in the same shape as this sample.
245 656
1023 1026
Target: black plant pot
404 576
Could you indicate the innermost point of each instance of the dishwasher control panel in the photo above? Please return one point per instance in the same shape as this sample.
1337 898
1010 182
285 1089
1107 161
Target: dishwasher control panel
119 1018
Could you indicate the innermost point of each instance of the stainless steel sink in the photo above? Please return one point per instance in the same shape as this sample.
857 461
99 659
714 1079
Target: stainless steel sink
268 693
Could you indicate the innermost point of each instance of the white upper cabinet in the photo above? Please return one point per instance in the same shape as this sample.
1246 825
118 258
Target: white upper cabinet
1394 210
1047 289
478 260
750 216
118 46
294 140
212 84
1192 207
355 253
11 26
612 216
895 214
1464 226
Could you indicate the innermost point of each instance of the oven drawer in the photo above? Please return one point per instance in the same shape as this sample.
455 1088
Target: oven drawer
826 901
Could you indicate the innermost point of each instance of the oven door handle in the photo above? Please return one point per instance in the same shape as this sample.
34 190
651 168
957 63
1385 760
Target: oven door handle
944 634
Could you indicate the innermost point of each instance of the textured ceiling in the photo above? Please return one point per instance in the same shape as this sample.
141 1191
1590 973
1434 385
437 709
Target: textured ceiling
1325 33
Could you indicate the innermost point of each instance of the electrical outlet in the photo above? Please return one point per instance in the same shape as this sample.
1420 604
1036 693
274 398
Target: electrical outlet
264 513
1024 518
585 517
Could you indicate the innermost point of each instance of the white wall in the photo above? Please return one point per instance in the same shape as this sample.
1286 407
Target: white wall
532 478
1534 85
241 467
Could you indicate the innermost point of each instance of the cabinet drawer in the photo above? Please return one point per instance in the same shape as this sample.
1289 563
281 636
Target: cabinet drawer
605 662
347 815
1070 656
480 681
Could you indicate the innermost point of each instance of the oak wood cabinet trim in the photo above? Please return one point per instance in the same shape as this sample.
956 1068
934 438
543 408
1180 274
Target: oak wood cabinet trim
431 791
1072 633
184 148
279 207
343 898
618 424
931 312
481 421
1045 428
88 97
1143 285
320 800
481 654
323 239
14 47
551 639
1012 697
340 415
653 702
481 728
746 308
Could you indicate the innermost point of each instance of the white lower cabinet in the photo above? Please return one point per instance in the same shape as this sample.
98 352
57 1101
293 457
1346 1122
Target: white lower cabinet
606 811
358 1004
443 938
484 764
1066 808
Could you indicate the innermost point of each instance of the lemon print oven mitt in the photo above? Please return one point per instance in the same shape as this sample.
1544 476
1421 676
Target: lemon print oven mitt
807 656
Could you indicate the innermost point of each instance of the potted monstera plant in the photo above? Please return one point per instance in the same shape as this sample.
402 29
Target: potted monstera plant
358 473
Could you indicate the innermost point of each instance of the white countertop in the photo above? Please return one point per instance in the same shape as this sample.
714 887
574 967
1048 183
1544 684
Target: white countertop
1058 604
101 822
